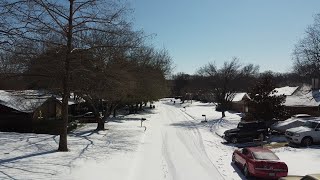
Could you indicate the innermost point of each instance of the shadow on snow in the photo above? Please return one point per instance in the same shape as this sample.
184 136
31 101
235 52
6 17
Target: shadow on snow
35 155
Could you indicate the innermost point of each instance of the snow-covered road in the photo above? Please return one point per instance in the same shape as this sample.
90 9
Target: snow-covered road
171 151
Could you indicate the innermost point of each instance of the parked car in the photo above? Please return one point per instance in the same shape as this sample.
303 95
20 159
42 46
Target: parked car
259 162
306 177
305 135
246 131
85 115
295 121
88 117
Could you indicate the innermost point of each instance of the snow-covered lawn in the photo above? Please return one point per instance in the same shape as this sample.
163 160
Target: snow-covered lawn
301 161
34 156
176 145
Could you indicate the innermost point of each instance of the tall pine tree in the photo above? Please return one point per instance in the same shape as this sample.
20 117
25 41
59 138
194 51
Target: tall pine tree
264 104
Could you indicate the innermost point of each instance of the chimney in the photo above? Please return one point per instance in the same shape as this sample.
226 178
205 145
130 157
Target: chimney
315 83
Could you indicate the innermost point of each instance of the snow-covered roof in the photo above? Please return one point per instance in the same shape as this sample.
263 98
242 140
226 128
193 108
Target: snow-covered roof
287 90
239 97
305 96
24 101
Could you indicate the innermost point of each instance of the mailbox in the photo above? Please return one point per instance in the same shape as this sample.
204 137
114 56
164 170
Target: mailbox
142 119
205 118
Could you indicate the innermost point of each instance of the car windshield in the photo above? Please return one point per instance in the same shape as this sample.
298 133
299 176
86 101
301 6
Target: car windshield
252 125
265 156
301 116
311 124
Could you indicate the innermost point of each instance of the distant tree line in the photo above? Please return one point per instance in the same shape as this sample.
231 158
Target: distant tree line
219 84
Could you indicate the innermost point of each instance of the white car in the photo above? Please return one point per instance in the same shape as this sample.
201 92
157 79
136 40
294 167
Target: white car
305 135
295 121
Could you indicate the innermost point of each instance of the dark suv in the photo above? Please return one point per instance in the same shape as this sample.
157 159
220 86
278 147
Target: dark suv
246 131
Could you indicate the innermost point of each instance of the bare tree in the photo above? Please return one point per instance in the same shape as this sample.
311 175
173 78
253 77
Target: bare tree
224 82
307 51
180 82
151 66
47 23
111 79
107 87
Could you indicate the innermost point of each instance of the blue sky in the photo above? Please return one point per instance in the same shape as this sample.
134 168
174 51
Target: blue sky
196 32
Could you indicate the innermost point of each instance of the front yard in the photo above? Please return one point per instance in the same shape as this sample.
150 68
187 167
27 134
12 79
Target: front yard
300 160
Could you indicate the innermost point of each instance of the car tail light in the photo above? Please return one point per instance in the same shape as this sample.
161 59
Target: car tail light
281 166
271 166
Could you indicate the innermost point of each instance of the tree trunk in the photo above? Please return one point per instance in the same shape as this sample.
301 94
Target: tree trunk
63 142
114 112
107 114
136 109
102 107
223 114
99 120
131 110
140 106
100 126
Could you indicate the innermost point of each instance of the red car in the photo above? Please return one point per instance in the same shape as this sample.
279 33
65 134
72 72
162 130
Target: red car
259 162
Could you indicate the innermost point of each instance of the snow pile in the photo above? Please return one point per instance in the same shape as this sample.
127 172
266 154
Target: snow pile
300 161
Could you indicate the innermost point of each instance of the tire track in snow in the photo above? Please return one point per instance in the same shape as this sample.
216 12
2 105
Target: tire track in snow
219 154
192 140
222 157
166 154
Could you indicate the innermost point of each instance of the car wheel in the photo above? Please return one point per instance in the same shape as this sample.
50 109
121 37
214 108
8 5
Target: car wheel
233 159
246 171
307 141
234 140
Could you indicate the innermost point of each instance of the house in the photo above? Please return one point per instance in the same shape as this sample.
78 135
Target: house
239 102
305 100
29 111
